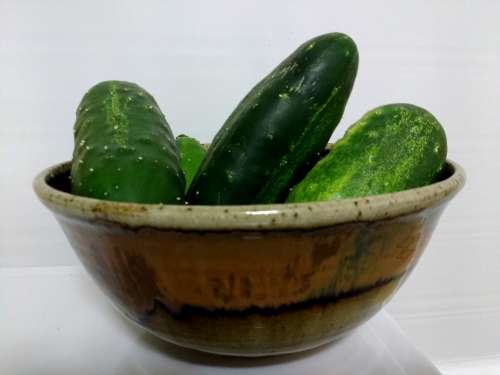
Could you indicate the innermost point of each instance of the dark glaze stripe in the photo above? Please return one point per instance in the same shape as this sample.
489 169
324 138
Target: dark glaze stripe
189 311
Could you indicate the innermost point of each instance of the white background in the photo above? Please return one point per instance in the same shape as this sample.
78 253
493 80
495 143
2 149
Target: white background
200 58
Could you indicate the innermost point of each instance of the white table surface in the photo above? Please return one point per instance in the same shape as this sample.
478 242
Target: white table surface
54 320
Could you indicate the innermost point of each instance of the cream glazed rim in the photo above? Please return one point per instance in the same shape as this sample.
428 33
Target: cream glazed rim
247 217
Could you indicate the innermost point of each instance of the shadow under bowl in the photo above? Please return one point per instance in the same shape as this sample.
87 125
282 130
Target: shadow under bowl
250 280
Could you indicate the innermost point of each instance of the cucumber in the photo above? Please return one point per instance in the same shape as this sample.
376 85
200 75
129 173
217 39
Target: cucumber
282 124
391 148
191 154
124 148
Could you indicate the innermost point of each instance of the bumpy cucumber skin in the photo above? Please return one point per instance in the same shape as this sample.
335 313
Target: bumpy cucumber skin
124 148
391 148
191 153
282 124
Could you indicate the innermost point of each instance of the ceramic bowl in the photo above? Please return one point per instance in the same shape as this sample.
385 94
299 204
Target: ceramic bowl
250 280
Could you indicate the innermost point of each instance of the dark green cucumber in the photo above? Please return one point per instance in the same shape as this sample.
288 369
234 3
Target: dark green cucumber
192 153
282 124
391 148
124 148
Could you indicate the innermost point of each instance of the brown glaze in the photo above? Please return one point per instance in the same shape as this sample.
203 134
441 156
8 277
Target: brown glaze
249 291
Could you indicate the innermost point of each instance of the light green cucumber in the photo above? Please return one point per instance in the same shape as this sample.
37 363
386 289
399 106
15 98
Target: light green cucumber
191 153
391 148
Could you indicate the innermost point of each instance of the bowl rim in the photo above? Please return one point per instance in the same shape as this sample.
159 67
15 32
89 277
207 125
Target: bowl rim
282 216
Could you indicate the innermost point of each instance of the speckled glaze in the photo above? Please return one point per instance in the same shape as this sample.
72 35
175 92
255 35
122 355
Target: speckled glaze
250 280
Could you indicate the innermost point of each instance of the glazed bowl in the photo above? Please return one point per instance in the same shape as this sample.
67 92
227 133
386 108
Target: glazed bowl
250 280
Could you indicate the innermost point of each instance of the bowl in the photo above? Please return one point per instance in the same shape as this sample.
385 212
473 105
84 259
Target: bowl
250 280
